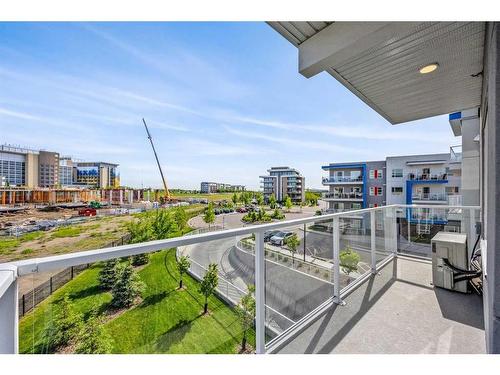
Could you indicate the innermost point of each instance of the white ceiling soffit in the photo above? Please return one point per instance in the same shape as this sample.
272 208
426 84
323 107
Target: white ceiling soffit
380 61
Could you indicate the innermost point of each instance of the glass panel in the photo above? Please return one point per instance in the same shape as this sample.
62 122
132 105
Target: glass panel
417 227
355 246
298 273
137 305
383 234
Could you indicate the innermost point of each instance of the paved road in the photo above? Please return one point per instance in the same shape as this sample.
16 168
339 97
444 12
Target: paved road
291 293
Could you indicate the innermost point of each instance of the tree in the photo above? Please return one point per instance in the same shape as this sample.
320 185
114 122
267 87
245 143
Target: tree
288 203
127 288
293 242
181 217
235 199
209 216
183 265
349 260
65 325
312 198
246 197
246 312
140 231
272 202
93 338
260 199
109 274
209 284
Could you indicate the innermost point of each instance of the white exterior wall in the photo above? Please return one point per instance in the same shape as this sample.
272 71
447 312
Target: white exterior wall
400 162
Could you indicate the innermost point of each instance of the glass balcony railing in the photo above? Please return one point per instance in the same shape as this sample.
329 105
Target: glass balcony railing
255 284
422 176
343 196
329 180
456 154
430 197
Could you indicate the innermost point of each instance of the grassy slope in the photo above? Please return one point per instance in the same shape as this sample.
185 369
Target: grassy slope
167 321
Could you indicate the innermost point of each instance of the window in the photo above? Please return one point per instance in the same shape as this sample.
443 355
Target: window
373 205
397 190
379 225
451 190
376 190
356 206
397 173
376 174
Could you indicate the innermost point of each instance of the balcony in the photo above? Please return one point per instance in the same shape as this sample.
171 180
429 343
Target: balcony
343 196
342 180
456 154
420 176
439 198
306 301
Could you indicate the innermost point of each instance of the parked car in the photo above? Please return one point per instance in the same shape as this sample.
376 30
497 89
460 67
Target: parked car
241 210
87 212
280 238
270 233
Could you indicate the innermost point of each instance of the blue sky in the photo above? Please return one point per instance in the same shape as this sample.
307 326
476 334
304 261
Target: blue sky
224 102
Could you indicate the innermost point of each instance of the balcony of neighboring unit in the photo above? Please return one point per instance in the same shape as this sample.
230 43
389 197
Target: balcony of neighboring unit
455 158
436 177
358 197
343 180
430 198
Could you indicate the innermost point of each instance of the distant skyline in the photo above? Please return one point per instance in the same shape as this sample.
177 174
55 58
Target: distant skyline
224 102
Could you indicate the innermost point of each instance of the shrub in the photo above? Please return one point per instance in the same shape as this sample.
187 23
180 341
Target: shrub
109 274
140 259
64 326
127 288
93 338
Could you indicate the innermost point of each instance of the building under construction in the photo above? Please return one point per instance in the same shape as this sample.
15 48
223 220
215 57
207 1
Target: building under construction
18 196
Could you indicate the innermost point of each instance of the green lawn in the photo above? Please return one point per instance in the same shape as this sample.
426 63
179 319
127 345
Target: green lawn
167 321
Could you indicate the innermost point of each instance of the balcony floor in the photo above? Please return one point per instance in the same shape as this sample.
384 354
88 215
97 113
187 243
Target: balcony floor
397 311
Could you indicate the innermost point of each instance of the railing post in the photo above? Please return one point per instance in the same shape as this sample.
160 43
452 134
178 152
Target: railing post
472 229
260 288
9 311
336 260
373 242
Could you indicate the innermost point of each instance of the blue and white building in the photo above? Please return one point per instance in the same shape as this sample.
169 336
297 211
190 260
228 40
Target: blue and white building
354 186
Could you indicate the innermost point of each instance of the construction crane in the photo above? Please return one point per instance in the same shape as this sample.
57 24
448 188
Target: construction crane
168 197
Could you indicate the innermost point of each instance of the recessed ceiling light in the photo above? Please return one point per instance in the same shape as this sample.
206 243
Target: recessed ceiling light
429 68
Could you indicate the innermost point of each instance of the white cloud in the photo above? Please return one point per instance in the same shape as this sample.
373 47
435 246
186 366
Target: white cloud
293 142
20 115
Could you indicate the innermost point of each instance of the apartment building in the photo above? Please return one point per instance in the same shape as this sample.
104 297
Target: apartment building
354 186
97 174
282 182
217 187
424 179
